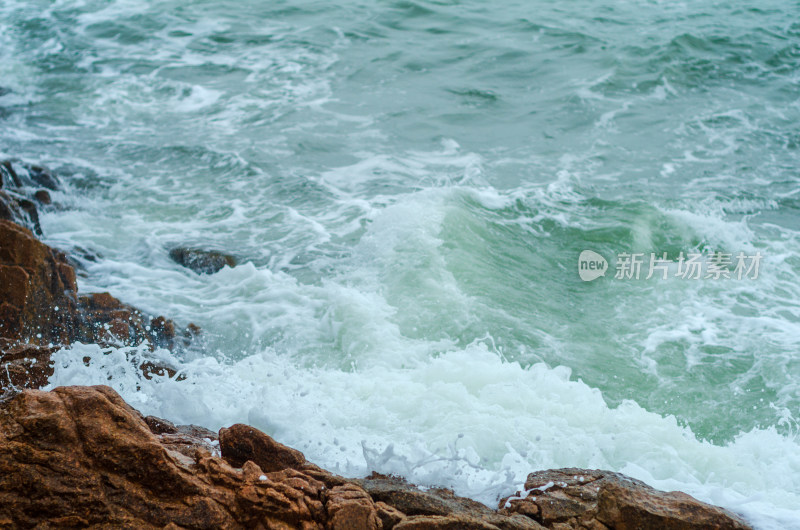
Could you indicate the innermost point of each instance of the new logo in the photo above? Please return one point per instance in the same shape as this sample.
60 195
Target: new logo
591 265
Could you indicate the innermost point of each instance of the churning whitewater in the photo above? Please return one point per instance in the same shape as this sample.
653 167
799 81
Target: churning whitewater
407 187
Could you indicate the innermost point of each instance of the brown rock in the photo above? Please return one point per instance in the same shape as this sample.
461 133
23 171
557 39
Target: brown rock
240 443
439 522
43 196
349 506
101 301
81 456
120 330
150 369
389 515
630 505
597 500
39 307
25 366
104 319
34 285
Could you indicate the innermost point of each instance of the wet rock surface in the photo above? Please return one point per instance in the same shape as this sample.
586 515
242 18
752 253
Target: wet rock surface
40 308
201 261
24 188
598 500
38 294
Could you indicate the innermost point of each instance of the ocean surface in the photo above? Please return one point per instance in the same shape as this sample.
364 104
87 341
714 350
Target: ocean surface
407 186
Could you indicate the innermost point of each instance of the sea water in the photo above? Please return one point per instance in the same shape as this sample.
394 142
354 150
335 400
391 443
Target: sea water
407 186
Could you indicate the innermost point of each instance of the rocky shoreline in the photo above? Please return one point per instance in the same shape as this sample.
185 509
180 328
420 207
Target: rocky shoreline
77 457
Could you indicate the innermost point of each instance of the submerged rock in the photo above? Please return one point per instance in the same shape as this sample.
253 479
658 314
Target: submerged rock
201 261
20 210
16 174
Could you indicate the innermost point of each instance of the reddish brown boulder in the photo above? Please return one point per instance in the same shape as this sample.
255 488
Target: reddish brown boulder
37 294
80 456
349 506
630 505
241 443
600 500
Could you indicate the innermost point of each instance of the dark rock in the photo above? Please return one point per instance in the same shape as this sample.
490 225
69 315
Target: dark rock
185 439
33 215
43 196
19 198
21 175
439 503
160 425
9 177
201 261
405 497
7 210
79 258
446 522
389 515
19 210
43 177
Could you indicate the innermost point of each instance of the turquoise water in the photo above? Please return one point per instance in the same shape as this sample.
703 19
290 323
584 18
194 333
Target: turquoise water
408 186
